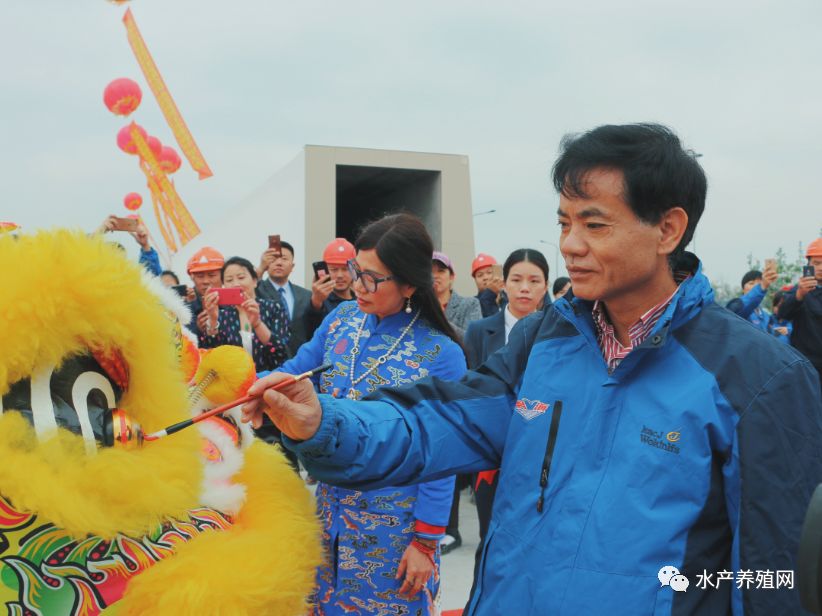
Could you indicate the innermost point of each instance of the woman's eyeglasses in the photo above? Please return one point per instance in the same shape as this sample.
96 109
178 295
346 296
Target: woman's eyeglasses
369 280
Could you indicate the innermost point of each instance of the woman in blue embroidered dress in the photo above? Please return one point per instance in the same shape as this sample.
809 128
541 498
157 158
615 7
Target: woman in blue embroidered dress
382 545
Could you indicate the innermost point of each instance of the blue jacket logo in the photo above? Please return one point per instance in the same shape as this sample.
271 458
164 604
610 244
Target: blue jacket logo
660 440
530 408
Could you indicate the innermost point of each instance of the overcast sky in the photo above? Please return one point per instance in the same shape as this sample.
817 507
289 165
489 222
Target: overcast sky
740 82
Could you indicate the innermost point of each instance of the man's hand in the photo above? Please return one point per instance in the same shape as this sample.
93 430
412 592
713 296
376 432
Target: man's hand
806 285
295 409
781 331
202 321
266 259
769 276
417 568
107 225
496 284
141 235
320 290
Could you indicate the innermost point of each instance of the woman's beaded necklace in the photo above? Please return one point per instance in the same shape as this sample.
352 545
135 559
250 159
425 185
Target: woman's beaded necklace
355 350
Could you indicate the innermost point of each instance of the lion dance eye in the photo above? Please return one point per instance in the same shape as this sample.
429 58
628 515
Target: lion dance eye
80 397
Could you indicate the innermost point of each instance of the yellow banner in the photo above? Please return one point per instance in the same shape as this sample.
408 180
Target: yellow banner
164 100
163 191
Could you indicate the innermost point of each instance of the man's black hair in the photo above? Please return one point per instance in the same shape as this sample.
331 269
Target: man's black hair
658 173
288 247
749 276
172 274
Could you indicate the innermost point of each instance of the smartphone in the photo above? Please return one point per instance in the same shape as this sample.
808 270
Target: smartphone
126 224
232 296
320 269
496 270
770 264
274 244
180 289
808 271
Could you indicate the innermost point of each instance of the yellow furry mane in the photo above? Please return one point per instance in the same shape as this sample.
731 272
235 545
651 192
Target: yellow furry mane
64 292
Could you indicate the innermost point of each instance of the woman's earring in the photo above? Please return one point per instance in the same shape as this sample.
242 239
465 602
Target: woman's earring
407 305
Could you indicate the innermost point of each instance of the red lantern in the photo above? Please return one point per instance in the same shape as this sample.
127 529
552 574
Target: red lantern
122 96
124 141
169 159
133 201
155 146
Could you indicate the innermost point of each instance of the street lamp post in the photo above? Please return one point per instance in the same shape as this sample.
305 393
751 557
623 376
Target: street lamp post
556 256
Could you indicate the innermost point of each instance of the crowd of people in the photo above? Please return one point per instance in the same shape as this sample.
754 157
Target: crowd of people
539 389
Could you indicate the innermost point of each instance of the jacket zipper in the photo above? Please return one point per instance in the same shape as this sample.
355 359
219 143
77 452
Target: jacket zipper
549 453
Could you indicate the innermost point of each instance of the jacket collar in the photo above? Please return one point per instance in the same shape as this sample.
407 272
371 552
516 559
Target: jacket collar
691 297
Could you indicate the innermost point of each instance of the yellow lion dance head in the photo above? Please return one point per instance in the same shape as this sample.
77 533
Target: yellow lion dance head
90 524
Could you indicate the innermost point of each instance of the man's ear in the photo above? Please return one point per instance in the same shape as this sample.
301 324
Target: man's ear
672 227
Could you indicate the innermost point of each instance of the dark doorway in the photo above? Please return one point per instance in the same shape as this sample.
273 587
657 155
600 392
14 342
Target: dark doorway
367 193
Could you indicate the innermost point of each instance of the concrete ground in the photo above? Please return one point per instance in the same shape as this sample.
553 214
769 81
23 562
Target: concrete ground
457 567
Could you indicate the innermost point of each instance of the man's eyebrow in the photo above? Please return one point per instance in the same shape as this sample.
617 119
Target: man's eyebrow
589 212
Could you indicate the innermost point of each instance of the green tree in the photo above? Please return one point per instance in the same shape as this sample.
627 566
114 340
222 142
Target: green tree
723 292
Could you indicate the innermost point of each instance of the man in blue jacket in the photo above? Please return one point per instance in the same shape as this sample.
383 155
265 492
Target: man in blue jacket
755 286
657 454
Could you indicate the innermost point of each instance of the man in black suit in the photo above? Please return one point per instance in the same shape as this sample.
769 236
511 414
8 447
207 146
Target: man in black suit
295 298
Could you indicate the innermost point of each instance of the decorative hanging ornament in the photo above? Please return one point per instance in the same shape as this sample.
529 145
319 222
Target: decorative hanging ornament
155 146
122 96
169 159
133 201
124 141
118 1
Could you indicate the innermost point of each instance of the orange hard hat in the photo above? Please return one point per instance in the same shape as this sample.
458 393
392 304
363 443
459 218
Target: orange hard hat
205 260
339 251
482 260
814 248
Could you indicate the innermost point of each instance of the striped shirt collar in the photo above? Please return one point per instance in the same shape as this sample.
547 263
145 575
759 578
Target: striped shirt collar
612 349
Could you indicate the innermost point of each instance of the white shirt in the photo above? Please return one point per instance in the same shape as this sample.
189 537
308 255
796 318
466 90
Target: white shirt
510 321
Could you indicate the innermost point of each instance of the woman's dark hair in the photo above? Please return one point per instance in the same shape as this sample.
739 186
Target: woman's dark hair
242 263
403 244
559 284
658 173
529 255
170 273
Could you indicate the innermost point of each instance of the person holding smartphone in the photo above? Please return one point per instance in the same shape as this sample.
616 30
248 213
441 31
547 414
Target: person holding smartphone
148 255
260 326
332 282
803 307
487 275
755 286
